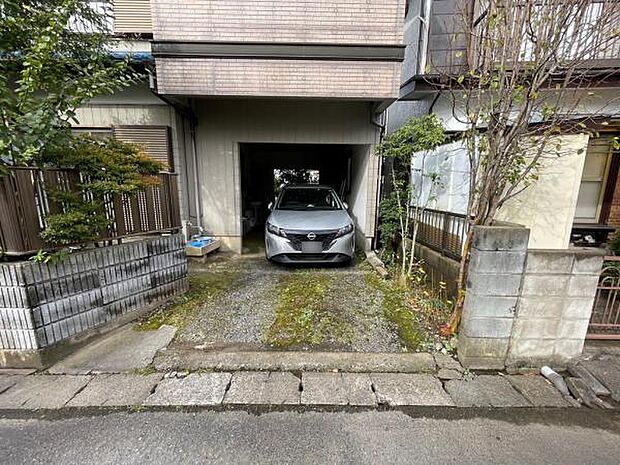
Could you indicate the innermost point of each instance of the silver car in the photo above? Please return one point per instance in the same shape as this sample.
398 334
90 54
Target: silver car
309 224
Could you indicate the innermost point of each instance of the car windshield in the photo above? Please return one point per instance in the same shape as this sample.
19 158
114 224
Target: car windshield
308 198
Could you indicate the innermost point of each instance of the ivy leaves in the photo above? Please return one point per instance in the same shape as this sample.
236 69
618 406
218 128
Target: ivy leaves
417 134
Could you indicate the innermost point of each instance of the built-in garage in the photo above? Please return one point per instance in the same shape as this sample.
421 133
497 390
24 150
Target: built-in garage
240 144
266 167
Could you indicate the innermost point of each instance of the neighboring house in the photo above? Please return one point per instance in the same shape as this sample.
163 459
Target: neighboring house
240 88
530 297
578 195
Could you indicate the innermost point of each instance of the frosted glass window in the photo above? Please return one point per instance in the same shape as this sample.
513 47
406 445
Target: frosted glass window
588 200
593 180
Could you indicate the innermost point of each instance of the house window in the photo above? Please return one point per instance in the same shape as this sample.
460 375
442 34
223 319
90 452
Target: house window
155 140
593 178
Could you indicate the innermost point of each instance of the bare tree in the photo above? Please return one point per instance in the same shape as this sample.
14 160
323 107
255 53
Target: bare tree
529 66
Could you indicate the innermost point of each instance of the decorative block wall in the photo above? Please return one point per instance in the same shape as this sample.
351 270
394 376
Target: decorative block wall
525 308
43 304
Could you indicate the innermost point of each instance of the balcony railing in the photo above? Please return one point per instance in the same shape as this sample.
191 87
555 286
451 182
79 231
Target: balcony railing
25 205
584 37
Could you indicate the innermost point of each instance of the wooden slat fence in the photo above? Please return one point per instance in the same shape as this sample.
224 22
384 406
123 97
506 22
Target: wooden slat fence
25 204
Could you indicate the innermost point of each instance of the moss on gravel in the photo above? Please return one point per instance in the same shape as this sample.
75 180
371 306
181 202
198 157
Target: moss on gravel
398 310
302 315
203 288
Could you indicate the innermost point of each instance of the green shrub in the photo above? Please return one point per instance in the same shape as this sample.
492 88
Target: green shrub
614 243
106 167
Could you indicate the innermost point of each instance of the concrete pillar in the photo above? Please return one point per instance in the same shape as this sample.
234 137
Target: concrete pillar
493 287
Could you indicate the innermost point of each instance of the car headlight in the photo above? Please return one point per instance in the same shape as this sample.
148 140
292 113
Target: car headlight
275 230
344 230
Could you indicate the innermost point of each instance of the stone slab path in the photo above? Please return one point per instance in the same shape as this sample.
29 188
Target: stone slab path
45 391
179 359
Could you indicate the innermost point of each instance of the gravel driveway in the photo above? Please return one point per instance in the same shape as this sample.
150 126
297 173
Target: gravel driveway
267 306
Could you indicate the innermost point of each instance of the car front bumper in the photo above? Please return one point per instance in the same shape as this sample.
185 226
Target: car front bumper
282 250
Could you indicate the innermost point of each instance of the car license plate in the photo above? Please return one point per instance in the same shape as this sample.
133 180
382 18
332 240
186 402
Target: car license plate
311 247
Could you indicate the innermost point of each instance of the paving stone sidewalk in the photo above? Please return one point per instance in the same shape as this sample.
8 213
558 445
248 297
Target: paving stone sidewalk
45 391
438 380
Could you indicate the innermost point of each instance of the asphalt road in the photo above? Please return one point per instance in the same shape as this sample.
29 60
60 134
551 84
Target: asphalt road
434 436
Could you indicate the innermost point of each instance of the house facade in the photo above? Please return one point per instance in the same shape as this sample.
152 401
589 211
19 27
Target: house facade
534 292
241 88
587 173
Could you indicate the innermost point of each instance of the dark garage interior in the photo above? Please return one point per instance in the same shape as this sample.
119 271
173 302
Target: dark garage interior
258 164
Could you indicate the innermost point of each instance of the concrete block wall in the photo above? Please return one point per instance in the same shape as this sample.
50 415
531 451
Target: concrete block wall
439 268
494 281
554 309
43 304
525 308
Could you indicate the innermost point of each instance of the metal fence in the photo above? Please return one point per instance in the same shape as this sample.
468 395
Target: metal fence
605 319
443 232
25 204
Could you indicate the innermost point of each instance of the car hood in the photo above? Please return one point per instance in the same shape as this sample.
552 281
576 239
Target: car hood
310 220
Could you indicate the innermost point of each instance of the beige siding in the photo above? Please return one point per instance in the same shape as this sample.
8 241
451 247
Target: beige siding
132 16
115 110
278 78
548 206
327 21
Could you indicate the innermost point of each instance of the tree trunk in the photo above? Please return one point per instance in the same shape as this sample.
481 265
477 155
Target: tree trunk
455 318
414 237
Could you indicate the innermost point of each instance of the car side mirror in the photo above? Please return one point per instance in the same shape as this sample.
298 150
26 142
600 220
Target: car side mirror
270 206
345 205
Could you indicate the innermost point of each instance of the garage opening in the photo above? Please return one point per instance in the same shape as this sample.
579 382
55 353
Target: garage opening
265 168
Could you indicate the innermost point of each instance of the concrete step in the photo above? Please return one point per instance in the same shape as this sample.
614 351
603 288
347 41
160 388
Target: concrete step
191 359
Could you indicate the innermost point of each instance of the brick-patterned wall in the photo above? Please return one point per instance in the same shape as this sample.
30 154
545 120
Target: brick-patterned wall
43 304
278 78
326 21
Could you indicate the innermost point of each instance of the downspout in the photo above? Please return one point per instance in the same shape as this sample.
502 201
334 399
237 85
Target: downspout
381 123
196 185
189 114
432 105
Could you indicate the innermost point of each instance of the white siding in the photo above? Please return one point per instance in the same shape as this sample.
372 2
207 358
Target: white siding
547 207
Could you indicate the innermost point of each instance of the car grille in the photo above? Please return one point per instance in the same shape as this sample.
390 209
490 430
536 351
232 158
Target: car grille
297 237
314 257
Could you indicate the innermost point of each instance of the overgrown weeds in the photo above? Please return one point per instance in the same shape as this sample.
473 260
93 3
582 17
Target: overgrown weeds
414 308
